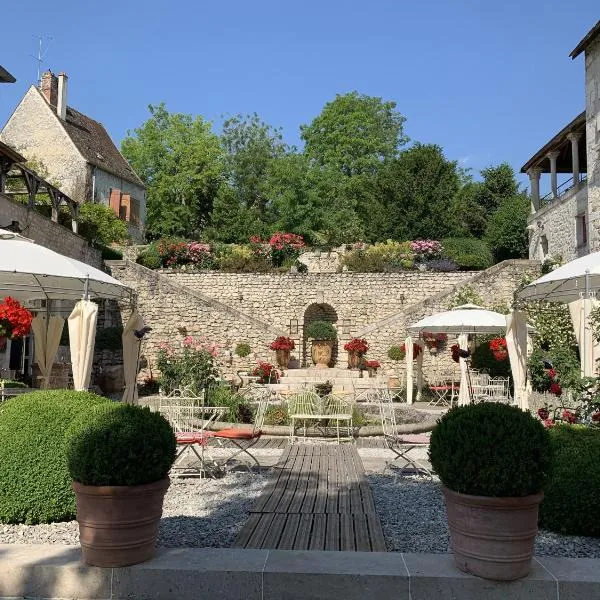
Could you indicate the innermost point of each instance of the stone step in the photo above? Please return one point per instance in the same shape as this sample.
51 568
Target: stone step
307 373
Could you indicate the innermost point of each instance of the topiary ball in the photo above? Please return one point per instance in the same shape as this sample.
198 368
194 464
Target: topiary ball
120 444
571 496
35 485
491 449
321 330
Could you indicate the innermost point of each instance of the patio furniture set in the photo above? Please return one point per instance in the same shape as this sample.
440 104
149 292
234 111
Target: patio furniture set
483 388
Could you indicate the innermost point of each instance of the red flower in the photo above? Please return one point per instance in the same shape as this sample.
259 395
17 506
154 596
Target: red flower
551 373
282 343
15 321
267 372
547 423
359 345
555 389
433 340
596 417
543 413
372 364
498 348
454 349
416 350
569 416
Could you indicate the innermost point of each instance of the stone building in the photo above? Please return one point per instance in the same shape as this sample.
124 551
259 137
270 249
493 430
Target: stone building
76 150
565 222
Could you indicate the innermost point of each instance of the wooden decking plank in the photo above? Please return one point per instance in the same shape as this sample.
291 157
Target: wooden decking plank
303 535
332 485
322 484
283 482
288 536
375 533
361 533
292 483
347 542
317 537
302 484
260 531
332 535
271 541
312 485
247 530
282 470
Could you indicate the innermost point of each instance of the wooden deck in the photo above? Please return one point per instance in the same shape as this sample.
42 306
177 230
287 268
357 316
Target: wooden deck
281 442
317 499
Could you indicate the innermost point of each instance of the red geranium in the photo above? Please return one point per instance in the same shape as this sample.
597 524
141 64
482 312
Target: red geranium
455 349
569 416
267 372
498 348
555 388
433 340
359 345
15 321
543 413
282 343
416 350
596 417
372 364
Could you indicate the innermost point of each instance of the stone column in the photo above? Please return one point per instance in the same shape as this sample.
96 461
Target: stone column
575 137
552 156
534 180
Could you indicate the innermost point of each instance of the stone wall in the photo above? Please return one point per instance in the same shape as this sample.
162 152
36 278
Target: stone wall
557 222
48 233
592 92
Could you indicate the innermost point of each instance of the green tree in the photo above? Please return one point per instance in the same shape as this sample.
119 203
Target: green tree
506 232
100 225
354 133
180 160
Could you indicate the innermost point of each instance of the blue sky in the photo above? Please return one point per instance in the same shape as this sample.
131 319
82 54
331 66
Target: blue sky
488 81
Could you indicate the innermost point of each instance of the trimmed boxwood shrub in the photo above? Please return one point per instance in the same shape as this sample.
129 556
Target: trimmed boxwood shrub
243 349
119 444
468 253
321 330
491 449
570 502
35 485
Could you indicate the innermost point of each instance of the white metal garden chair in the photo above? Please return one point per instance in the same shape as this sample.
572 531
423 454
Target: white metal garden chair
402 444
302 406
339 410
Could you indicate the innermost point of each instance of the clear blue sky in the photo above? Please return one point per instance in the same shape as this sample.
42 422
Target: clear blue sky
488 81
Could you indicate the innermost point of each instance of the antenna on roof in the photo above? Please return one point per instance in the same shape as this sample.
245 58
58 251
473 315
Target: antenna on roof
41 54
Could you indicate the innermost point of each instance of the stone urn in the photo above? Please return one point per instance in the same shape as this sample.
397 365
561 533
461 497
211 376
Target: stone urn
372 371
321 353
492 537
354 359
282 356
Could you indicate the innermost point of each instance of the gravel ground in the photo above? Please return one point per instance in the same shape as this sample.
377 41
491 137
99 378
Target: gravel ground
196 513
413 517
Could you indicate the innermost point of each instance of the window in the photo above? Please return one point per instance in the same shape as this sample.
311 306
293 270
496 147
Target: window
544 246
581 230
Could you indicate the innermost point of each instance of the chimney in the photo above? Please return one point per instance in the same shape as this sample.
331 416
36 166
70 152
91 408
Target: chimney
49 87
61 105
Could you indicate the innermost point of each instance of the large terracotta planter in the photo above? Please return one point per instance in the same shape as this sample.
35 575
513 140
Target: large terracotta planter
321 353
492 537
283 358
118 525
354 360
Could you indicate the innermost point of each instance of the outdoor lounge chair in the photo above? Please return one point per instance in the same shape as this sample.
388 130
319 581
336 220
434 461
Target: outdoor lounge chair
243 439
402 444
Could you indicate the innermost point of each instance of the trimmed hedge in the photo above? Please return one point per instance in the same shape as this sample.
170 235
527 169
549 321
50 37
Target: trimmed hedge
119 444
491 449
571 497
468 253
35 485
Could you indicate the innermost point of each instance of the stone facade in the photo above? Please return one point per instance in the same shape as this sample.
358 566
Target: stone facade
592 87
48 233
231 308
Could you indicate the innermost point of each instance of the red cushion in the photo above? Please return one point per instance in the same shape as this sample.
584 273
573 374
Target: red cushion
238 434
414 438
193 437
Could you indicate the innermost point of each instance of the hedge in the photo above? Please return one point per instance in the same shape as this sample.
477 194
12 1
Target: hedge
468 253
35 486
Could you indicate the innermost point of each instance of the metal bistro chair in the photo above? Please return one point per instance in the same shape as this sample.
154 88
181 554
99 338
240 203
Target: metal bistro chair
244 438
302 406
402 445
339 409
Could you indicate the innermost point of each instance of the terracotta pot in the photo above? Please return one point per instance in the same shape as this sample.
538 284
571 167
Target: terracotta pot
372 372
492 537
283 358
354 360
118 525
321 353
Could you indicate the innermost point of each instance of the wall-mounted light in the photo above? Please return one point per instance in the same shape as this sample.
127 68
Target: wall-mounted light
294 326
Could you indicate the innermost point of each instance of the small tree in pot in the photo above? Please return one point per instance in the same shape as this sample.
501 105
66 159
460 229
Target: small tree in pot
119 457
323 335
493 461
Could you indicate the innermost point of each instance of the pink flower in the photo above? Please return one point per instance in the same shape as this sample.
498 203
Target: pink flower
188 341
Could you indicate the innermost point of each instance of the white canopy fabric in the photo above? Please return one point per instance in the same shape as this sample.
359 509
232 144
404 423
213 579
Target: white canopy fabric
516 344
82 334
131 346
567 283
589 349
409 357
468 318
29 271
464 396
46 335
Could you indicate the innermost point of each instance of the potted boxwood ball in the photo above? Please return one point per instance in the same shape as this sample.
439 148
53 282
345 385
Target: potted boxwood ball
119 458
493 461
323 335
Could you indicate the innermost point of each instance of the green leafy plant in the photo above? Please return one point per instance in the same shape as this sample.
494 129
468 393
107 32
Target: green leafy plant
238 408
119 444
100 225
277 415
35 485
466 295
109 253
150 258
396 353
321 330
491 449
468 253
482 358
571 495
109 338
243 349
11 383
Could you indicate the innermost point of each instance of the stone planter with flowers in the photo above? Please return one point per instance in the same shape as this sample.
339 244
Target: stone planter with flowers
323 335
282 346
356 348
15 321
372 366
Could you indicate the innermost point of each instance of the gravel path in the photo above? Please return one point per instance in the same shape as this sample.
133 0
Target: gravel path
413 517
196 513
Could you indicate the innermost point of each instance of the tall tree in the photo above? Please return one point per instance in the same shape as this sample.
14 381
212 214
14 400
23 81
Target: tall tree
354 133
506 232
180 160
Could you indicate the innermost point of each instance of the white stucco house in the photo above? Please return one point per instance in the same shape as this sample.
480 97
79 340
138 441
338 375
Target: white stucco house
76 150
565 222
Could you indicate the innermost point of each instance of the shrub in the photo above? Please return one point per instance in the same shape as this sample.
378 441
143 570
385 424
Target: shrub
150 258
386 256
506 231
483 359
571 496
35 486
468 253
442 265
243 349
238 408
396 353
11 383
100 225
277 415
491 449
109 338
321 330
109 253
148 387
119 444
239 258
